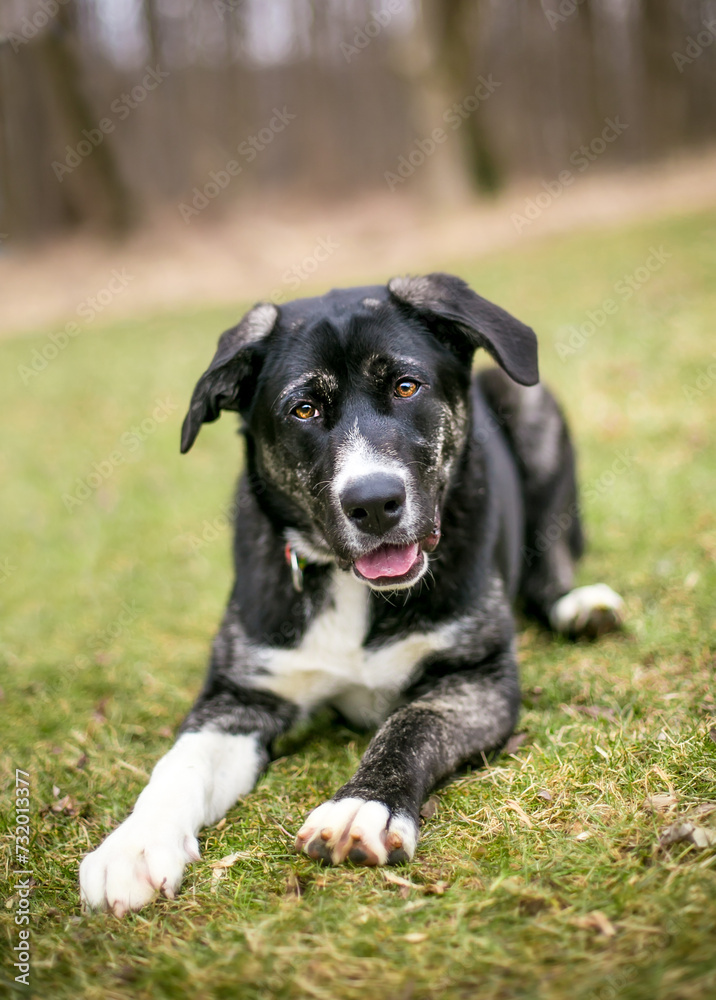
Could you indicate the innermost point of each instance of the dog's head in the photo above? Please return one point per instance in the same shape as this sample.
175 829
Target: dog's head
356 410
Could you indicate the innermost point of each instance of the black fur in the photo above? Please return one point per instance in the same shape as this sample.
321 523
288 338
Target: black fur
504 467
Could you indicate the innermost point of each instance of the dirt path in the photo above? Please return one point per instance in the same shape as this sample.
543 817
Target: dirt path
278 248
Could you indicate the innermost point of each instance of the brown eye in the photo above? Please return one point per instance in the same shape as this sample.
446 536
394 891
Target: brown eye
406 387
304 411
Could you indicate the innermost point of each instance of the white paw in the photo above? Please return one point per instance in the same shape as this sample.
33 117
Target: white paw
135 862
590 610
364 832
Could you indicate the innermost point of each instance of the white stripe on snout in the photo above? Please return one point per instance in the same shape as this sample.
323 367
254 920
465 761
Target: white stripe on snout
357 459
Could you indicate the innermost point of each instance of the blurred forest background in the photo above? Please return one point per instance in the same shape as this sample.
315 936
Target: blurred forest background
180 85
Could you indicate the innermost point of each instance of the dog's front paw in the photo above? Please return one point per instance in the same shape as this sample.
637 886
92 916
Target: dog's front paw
137 860
365 832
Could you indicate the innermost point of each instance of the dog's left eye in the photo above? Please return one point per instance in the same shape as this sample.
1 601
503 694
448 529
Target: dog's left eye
406 387
304 411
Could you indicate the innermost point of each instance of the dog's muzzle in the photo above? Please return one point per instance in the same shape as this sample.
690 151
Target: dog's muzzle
376 507
374 504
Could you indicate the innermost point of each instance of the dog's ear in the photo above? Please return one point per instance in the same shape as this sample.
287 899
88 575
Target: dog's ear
220 387
466 321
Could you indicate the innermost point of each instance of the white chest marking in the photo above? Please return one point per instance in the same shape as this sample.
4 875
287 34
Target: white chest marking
331 664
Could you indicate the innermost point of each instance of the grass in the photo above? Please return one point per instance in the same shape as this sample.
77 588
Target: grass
541 876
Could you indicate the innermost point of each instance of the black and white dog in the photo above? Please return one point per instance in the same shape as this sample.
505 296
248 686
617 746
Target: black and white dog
392 508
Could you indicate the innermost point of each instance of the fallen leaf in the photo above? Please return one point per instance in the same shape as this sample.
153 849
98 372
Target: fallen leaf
517 808
660 803
515 742
712 733
398 879
430 807
596 711
55 791
81 761
545 794
228 860
688 833
584 835
66 805
704 809
415 937
436 889
597 921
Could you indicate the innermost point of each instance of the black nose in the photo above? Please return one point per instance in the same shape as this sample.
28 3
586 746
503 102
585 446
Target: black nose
375 503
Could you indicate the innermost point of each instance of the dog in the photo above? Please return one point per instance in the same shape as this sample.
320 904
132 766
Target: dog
393 508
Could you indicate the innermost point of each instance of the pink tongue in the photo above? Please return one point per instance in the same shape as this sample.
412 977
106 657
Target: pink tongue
388 560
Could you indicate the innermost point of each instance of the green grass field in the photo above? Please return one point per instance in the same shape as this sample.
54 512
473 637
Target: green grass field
541 876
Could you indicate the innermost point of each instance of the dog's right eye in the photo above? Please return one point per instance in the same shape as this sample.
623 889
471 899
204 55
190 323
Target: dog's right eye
304 411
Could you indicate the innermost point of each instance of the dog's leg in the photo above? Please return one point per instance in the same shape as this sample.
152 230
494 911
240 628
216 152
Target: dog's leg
222 749
373 818
540 440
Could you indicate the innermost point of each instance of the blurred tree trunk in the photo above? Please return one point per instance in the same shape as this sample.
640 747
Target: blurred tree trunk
15 184
663 87
452 26
105 198
152 22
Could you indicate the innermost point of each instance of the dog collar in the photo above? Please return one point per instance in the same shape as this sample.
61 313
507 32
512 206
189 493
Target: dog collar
297 564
